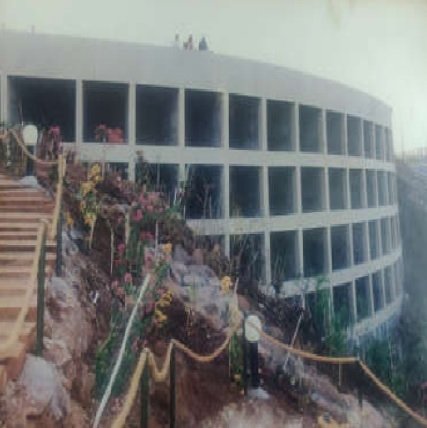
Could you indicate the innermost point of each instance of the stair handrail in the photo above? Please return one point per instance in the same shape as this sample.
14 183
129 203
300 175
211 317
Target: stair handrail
24 148
58 197
13 335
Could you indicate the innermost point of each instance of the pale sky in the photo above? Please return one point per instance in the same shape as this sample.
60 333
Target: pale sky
379 46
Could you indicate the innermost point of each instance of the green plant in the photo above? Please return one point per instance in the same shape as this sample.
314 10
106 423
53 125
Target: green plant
236 359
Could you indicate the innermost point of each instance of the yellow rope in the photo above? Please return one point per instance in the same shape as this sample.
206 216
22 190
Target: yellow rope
120 419
305 354
25 149
62 165
348 360
160 375
210 357
387 391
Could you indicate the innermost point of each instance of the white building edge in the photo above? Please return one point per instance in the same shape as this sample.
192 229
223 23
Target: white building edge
302 163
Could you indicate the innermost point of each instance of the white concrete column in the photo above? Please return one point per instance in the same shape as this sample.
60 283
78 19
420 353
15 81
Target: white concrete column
298 195
323 133
295 128
3 98
265 192
263 124
327 196
328 251
79 116
348 189
364 185
132 129
225 128
366 242
345 135
376 191
362 138
353 301
350 240
388 200
300 251
267 256
181 117
132 115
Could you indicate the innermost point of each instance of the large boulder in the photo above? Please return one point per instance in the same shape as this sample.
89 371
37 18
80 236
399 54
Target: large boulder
38 393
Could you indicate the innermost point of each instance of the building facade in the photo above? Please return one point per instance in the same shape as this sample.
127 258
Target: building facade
300 166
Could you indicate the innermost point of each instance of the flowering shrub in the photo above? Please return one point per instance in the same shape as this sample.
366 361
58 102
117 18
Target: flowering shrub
88 195
226 284
104 134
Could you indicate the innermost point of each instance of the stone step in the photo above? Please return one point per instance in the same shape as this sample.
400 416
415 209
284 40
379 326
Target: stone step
21 244
19 272
23 217
20 258
35 197
21 226
27 330
10 285
11 305
25 192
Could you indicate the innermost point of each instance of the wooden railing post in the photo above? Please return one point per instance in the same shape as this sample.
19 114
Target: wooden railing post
145 396
172 390
40 294
58 261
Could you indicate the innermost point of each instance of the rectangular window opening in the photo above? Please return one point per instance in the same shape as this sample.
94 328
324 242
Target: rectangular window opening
44 103
202 118
244 118
245 191
282 190
280 125
156 115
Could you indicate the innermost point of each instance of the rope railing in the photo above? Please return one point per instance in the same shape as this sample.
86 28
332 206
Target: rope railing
116 368
58 197
62 164
24 148
13 336
348 360
160 375
43 229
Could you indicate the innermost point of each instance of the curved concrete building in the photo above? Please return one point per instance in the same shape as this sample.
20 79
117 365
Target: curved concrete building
300 167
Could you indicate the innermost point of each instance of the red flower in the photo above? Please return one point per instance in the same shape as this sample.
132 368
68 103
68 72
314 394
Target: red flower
137 216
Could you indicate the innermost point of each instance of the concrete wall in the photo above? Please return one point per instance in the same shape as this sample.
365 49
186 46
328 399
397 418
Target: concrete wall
346 116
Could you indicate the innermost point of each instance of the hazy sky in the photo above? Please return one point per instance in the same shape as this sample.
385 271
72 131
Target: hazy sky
379 46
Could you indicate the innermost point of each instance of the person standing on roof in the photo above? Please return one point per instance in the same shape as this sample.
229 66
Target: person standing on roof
176 43
188 45
203 45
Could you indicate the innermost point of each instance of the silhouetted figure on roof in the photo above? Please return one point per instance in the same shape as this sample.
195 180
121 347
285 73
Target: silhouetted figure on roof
203 45
176 43
188 45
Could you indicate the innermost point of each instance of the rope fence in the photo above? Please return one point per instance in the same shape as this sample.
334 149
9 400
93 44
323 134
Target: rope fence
107 392
24 148
160 375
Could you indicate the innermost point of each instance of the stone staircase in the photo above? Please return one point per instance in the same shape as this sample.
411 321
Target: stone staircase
21 209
